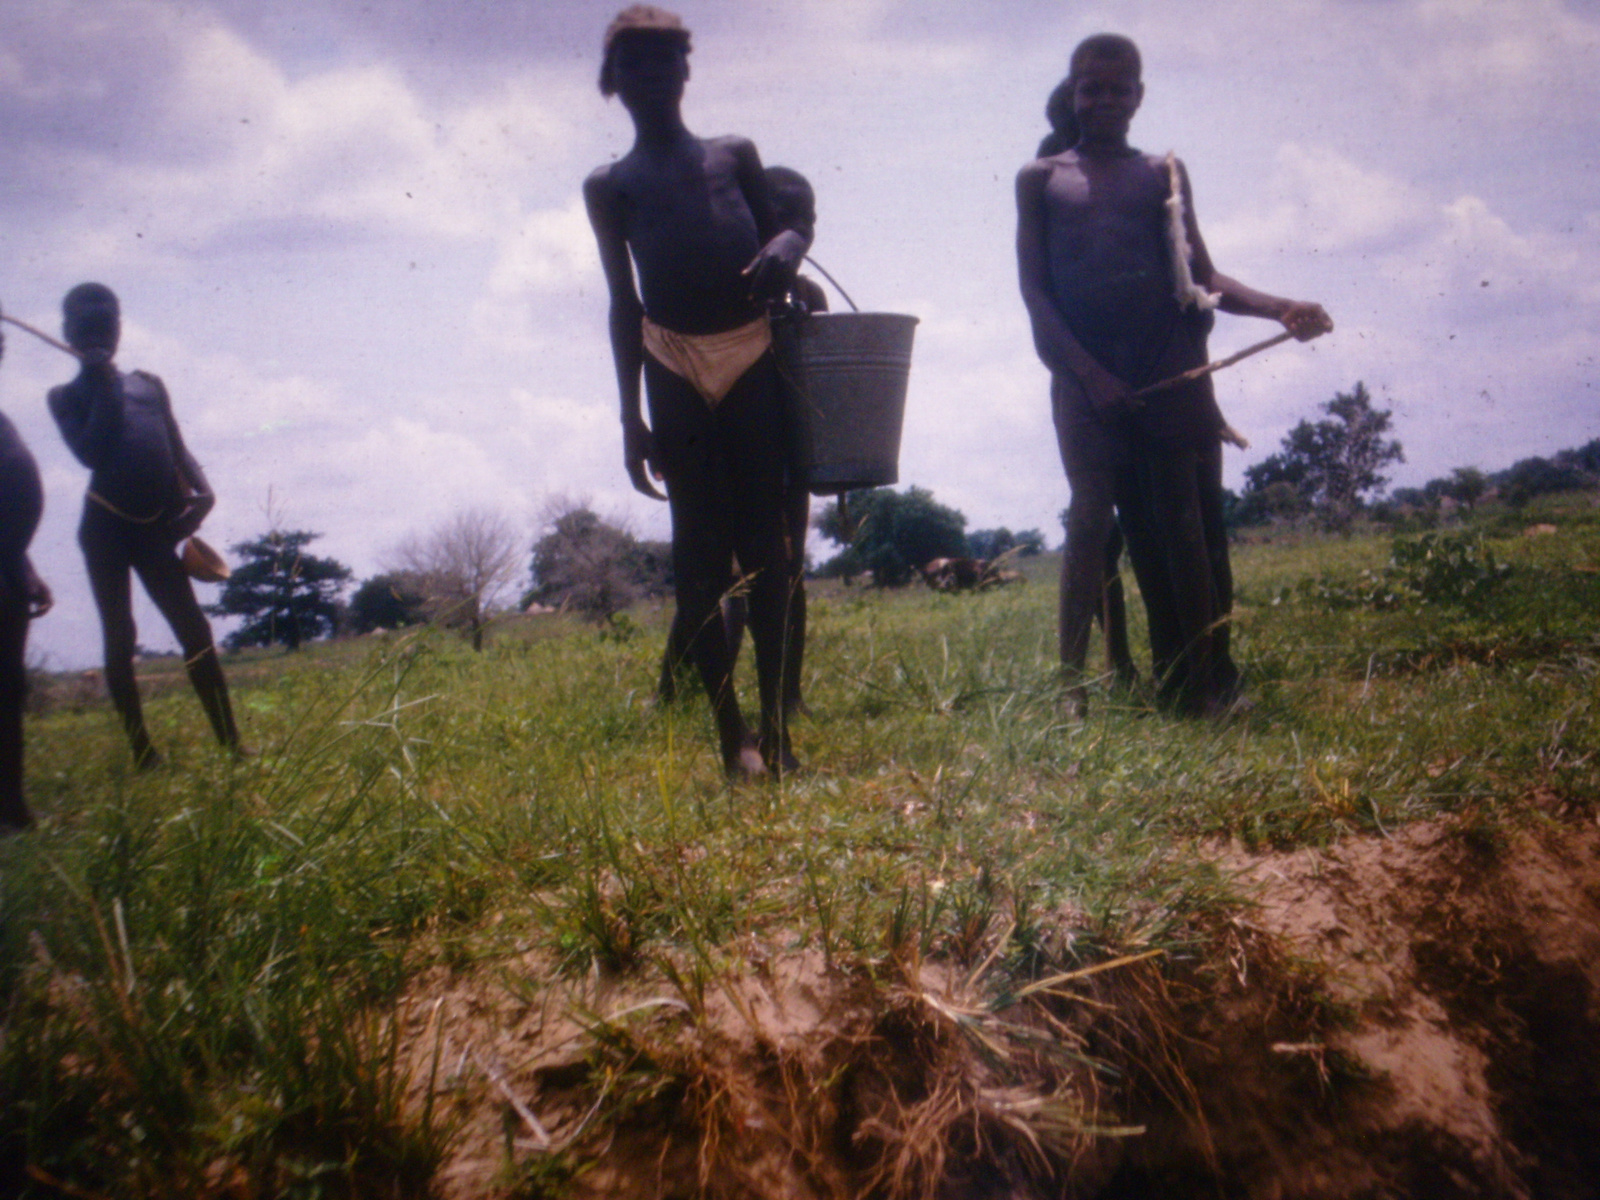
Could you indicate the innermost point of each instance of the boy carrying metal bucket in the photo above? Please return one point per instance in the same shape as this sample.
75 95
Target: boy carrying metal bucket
692 216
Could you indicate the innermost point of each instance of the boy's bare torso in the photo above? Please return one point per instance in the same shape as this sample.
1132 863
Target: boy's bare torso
1109 270
685 212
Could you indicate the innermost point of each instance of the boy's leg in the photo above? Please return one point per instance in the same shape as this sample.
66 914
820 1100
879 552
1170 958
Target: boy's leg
13 696
1216 530
1090 453
751 426
1172 468
1147 553
1091 513
104 539
687 449
673 657
1114 612
798 519
702 568
170 589
762 544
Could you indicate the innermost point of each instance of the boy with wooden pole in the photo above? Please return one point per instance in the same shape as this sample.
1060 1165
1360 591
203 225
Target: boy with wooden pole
146 495
1118 303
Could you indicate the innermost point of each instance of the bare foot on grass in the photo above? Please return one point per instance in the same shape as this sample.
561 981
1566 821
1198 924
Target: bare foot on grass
746 764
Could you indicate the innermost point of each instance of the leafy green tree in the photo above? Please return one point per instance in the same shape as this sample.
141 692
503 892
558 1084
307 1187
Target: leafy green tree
285 595
1530 477
1467 486
598 569
891 533
1332 466
391 600
992 543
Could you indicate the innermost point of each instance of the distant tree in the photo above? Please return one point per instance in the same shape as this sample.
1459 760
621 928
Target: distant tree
1466 486
1330 466
892 533
992 543
1030 542
1410 497
285 595
598 569
1586 458
1530 477
462 568
392 600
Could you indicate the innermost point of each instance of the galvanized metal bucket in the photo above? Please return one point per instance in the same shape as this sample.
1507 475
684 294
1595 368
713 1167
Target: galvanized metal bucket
846 375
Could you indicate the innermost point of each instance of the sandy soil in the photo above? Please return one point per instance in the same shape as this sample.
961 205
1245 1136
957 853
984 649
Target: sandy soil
1407 1016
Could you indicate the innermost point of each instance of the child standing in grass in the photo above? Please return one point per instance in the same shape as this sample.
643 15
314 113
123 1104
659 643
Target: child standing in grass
146 494
693 217
794 205
1101 288
23 596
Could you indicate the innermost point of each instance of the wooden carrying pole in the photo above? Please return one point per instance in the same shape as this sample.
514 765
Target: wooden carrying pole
40 334
1201 372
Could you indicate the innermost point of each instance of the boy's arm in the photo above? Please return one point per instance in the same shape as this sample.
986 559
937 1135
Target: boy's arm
40 601
775 265
89 411
627 334
18 576
200 498
1302 318
1052 339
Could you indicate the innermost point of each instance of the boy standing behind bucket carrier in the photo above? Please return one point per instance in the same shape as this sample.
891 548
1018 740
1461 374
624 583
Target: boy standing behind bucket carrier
694 218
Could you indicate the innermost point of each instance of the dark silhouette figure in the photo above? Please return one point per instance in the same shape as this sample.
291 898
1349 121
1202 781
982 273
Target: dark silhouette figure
23 596
794 205
694 218
146 495
1101 287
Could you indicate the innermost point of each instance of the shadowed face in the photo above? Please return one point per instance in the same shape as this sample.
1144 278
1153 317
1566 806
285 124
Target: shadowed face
1105 96
648 71
793 203
92 326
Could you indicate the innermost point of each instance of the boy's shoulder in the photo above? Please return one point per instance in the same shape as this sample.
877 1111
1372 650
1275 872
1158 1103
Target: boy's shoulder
146 381
734 143
633 164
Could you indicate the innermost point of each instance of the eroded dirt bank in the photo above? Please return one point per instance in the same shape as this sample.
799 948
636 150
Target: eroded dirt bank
1413 1015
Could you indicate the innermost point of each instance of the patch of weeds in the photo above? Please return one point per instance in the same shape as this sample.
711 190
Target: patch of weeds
1442 569
542 1175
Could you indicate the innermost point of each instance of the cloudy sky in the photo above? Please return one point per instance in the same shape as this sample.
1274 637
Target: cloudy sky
348 233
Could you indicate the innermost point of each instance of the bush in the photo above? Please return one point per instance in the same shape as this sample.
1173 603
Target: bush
1447 570
596 568
892 533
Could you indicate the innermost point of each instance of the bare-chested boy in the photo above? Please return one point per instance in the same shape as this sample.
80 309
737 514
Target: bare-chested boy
794 206
693 217
1099 283
146 494
23 596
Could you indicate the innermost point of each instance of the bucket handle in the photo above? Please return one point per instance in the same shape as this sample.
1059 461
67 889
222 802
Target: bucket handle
833 281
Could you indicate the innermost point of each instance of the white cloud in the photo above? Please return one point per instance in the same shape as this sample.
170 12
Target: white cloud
1320 201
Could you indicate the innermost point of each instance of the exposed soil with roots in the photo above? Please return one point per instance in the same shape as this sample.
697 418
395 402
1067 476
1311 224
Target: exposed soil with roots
1407 1016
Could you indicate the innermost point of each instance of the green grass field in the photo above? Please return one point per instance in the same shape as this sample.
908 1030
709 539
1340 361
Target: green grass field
200 965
